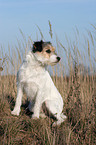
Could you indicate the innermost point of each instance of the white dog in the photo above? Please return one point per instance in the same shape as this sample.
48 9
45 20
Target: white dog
35 81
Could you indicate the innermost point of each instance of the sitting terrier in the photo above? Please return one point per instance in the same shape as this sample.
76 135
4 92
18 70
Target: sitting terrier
35 81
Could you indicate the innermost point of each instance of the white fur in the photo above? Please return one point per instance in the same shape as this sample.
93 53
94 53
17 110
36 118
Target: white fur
35 80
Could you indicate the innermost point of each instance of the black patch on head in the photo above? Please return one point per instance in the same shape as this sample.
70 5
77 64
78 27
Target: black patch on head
37 46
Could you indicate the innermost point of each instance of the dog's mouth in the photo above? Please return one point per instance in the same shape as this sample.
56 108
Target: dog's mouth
54 62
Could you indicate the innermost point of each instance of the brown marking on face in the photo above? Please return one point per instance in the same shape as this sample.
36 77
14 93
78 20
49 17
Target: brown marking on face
47 51
53 49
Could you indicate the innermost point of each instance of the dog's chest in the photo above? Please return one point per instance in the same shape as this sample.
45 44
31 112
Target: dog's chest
35 72
32 74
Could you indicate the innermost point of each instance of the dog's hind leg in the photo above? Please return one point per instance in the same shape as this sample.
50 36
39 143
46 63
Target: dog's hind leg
16 110
56 110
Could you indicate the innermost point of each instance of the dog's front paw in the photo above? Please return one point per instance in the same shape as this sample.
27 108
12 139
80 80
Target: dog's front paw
35 116
15 112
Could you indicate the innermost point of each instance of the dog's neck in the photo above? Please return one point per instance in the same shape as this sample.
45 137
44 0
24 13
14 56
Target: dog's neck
39 63
32 60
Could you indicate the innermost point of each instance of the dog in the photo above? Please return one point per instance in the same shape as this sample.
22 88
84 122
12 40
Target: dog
35 81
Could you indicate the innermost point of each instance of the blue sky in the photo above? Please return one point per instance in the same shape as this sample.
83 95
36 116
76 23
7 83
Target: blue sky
64 16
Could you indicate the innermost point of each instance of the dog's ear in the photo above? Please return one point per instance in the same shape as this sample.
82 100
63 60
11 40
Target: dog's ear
37 46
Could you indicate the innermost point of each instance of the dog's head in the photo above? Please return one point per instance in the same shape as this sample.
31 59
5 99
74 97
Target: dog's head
45 53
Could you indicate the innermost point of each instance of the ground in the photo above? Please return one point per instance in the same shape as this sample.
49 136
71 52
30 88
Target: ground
79 95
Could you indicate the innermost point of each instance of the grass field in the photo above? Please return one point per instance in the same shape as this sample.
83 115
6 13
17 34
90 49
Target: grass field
78 90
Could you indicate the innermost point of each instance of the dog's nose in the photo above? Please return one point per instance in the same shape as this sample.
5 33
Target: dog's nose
58 58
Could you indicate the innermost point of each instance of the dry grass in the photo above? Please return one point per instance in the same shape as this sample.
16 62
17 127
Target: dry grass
79 94
80 107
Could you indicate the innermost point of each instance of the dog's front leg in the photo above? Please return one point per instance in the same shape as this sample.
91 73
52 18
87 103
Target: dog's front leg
37 106
16 110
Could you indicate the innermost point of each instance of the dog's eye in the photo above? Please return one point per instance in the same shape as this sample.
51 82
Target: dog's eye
48 51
